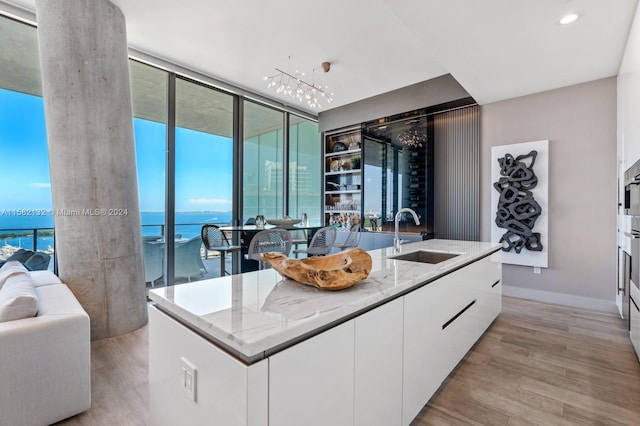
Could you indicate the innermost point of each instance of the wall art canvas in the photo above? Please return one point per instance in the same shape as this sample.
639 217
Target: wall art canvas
520 202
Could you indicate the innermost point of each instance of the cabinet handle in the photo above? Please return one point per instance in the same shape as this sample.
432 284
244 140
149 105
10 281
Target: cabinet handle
495 284
634 303
446 324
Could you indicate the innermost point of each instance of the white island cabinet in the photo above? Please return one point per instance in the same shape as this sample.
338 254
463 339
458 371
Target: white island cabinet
255 349
311 383
441 322
378 366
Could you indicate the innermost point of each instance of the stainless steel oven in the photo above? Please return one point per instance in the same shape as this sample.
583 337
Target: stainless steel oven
632 190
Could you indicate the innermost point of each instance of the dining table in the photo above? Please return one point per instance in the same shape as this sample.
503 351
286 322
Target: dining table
242 235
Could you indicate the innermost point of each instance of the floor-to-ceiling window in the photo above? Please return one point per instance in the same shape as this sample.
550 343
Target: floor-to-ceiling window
200 148
263 162
149 96
204 170
305 175
26 215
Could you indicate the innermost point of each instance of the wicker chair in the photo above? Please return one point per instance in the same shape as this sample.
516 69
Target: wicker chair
269 241
321 242
214 239
353 239
188 261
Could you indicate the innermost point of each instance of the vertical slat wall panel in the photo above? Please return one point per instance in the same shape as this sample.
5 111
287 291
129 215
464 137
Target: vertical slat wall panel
457 174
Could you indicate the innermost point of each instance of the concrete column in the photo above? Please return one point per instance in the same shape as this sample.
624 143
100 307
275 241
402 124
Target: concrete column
87 99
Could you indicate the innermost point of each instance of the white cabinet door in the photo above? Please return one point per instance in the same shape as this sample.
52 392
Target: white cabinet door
634 318
488 282
378 366
311 383
226 391
620 282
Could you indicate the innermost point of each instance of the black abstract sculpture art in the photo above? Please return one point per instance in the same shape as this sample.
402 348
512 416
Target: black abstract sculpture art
517 209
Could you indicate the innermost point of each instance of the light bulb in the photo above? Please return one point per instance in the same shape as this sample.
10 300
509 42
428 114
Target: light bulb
567 19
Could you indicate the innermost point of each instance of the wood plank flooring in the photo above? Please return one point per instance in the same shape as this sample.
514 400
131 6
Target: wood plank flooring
538 364
543 364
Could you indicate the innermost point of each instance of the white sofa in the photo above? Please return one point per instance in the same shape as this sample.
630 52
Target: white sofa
45 361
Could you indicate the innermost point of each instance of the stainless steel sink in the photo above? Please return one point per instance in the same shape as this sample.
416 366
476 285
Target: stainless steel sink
425 256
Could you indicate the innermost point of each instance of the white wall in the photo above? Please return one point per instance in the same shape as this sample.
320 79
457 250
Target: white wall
580 123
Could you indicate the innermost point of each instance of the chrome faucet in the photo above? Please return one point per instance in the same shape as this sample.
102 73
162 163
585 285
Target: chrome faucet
396 238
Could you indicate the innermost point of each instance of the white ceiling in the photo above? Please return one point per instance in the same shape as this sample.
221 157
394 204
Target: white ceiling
496 49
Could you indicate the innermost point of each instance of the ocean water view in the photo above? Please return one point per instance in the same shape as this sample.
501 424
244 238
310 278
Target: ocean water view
16 229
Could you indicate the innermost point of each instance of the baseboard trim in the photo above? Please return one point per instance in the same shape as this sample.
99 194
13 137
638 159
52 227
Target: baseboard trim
561 299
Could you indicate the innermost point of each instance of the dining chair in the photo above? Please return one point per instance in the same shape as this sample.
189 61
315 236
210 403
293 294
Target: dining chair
299 238
268 241
188 260
153 261
214 239
353 239
39 261
321 242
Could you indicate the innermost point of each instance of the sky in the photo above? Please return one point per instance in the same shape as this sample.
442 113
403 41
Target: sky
24 163
203 162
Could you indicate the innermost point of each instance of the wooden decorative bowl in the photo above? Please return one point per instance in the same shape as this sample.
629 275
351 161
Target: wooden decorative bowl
332 272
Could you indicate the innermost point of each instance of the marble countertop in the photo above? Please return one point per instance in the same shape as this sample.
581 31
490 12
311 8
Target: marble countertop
255 314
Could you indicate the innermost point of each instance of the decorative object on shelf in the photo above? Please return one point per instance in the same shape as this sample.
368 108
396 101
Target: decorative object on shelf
287 221
335 166
519 202
294 86
333 272
355 162
346 165
413 137
332 186
338 147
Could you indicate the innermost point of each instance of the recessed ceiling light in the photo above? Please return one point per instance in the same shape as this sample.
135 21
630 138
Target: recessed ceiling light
567 19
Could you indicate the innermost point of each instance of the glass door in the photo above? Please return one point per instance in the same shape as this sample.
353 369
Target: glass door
204 170
375 187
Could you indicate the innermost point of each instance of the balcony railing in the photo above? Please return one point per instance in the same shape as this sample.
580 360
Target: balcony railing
28 238
28 235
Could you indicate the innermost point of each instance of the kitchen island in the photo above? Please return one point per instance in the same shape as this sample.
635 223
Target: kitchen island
257 349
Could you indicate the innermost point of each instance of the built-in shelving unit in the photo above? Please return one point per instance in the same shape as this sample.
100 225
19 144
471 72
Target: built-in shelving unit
343 177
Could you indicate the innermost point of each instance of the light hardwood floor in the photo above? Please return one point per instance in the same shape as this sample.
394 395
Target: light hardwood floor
538 364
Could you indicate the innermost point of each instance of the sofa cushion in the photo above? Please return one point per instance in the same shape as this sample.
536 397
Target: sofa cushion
57 300
18 298
41 278
10 268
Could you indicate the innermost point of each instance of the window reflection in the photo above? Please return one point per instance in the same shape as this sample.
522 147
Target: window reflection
263 185
305 153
